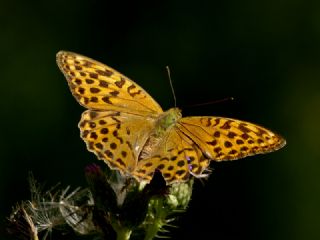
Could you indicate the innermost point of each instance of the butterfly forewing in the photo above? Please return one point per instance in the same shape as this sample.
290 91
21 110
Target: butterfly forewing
228 139
97 86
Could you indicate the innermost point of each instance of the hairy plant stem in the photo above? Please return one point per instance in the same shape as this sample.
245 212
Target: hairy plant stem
122 233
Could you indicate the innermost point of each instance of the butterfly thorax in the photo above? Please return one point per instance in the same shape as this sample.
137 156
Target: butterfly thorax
163 124
167 120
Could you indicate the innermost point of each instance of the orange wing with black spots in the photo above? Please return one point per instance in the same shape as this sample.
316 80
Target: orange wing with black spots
121 114
116 137
229 139
195 141
99 87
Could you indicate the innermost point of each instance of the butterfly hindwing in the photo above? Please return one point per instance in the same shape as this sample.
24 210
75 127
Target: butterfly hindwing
115 137
177 158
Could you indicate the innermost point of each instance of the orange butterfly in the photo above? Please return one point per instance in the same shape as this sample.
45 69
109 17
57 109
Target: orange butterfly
125 127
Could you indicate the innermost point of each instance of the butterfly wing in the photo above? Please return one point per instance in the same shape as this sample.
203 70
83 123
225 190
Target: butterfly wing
116 137
99 87
177 157
229 139
188 147
121 114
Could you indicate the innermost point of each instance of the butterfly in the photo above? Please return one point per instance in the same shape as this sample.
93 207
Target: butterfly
127 129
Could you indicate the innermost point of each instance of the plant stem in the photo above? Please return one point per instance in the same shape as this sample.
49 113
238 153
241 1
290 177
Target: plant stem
123 234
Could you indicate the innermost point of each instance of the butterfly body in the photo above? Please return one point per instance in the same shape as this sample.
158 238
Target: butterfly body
126 128
162 128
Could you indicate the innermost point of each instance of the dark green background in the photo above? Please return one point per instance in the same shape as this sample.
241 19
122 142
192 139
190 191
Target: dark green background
265 54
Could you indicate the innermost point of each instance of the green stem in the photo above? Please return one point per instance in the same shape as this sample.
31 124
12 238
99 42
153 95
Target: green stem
153 229
123 234
159 216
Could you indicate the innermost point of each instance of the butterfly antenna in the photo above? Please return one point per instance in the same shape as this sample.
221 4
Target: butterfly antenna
212 102
171 85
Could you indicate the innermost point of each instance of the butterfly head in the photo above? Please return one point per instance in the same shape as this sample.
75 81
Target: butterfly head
174 114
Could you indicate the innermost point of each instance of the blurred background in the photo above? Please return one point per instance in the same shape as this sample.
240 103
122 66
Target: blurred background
265 54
